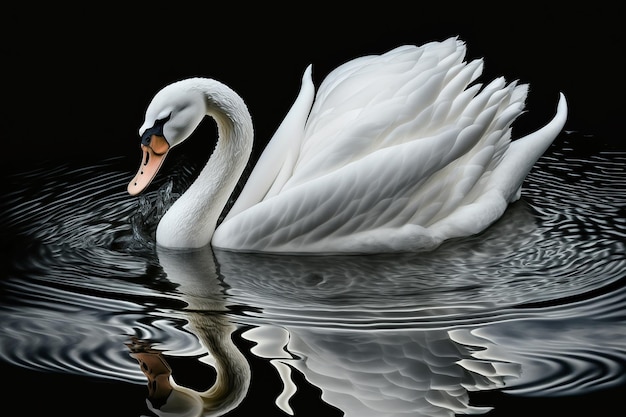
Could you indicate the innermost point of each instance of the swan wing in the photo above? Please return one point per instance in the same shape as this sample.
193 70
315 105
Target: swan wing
275 165
398 153
375 102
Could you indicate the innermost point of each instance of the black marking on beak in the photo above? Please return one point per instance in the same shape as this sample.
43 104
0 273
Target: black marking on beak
156 129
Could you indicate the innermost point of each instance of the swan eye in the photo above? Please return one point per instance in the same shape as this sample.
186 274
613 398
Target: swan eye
156 129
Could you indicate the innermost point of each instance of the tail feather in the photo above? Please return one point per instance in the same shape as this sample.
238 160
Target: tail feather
524 152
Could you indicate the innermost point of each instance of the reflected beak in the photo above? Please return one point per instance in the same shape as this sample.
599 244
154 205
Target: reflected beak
154 154
158 372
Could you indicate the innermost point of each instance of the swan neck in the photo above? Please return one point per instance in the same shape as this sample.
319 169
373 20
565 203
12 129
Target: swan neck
192 219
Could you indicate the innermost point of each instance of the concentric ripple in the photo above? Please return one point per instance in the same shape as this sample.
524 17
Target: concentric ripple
543 288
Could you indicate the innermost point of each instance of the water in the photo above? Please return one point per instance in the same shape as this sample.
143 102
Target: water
528 316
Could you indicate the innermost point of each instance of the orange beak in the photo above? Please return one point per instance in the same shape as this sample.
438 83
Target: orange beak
153 156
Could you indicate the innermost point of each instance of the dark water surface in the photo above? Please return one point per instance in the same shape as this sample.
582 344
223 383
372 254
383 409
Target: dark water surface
527 318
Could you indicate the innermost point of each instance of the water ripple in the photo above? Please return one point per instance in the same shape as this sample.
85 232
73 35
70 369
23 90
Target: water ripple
542 288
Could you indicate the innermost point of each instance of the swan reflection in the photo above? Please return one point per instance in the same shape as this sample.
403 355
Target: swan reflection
368 371
394 334
384 373
195 274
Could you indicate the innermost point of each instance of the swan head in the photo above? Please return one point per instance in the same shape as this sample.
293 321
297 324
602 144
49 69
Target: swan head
171 117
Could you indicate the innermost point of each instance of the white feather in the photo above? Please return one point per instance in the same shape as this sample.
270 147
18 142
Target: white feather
397 152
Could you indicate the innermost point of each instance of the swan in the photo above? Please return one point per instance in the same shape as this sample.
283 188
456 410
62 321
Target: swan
394 152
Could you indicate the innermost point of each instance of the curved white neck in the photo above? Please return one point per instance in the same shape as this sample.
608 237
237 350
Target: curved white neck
191 220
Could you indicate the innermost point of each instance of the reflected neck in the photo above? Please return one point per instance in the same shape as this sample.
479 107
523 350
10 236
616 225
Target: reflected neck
232 368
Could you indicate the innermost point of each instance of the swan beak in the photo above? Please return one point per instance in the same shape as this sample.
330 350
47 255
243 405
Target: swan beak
154 154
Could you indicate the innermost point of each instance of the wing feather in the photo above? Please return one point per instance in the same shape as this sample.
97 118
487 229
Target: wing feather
393 145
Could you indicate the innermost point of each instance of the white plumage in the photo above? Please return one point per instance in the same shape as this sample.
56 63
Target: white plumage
398 152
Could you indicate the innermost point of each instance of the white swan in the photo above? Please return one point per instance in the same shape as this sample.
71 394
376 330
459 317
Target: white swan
398 152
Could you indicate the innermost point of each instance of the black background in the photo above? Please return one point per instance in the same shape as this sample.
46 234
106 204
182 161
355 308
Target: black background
76 82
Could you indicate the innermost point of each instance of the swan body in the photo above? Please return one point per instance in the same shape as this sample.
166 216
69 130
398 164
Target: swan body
395 152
